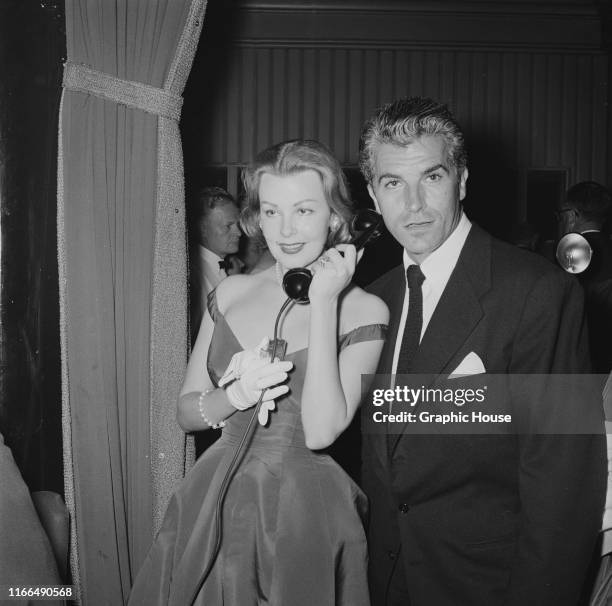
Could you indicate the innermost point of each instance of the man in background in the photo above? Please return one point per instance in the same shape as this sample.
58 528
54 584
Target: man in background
215 235
585 210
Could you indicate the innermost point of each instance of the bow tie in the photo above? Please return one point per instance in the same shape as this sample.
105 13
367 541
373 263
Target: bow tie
224 264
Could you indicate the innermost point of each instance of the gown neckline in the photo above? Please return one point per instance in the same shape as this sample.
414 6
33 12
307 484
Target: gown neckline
341 338
242 347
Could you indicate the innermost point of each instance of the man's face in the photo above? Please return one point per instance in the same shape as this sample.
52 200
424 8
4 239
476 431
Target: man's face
418 191
220 232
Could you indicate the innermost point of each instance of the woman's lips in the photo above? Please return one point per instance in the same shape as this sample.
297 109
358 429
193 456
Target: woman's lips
291 249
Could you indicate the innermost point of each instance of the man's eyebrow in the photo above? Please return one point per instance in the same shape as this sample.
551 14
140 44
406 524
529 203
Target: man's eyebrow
427 171
433 169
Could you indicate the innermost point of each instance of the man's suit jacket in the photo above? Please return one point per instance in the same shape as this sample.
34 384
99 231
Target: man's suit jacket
488 519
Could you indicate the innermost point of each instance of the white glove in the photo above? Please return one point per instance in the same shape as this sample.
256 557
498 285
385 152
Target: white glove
241 361
258 375
267 406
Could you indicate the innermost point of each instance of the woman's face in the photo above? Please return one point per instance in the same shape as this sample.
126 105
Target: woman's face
294 217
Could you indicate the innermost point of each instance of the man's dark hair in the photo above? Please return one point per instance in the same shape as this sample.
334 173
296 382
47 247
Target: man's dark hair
592 200
405 120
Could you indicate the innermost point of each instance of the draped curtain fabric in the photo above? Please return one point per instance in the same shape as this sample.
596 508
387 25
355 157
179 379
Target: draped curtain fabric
122 264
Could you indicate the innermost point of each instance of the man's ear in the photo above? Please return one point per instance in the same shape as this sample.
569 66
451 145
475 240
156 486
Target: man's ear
463 177
373 196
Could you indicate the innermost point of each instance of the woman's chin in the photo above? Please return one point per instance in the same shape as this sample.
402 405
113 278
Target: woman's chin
288 264
288 261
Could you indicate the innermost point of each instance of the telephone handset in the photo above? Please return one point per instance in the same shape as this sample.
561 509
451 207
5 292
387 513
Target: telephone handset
367 224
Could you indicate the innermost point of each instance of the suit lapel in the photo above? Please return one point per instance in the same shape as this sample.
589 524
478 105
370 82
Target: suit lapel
459 310
456 315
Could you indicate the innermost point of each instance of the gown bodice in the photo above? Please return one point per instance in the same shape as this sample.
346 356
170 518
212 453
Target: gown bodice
284 427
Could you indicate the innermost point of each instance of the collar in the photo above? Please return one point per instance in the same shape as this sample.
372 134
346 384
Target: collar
208 256
439 265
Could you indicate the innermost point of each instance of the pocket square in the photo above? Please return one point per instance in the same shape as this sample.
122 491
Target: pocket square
470 365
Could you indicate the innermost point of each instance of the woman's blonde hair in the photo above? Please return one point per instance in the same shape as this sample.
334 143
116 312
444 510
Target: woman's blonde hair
289 158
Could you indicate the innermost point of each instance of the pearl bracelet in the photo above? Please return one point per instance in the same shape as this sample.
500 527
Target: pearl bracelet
203 414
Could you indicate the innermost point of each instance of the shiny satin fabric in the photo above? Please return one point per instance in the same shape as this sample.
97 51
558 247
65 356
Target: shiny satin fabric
292 519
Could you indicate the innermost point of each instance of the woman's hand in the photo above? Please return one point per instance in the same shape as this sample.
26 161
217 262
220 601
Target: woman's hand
259 375
332 273
241 362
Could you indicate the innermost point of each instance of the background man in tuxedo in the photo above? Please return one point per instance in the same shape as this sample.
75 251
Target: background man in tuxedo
215 235
585 210
471 519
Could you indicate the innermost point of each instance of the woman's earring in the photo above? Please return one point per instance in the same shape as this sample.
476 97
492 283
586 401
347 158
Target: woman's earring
334 223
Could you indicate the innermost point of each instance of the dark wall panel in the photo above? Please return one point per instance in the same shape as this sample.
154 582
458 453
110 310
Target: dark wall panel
550 109
534 97
32 47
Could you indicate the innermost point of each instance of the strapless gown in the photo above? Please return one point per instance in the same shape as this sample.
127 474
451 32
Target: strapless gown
292 524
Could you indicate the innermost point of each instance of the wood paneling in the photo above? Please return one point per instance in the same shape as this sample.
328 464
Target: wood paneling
526 98
542 110
452 23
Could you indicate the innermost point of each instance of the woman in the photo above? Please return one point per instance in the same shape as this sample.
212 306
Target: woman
292 529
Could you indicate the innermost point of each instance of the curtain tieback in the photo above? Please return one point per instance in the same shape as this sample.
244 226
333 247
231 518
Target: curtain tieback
133 94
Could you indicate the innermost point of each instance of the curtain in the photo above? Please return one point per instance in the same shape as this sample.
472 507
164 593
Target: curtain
122 270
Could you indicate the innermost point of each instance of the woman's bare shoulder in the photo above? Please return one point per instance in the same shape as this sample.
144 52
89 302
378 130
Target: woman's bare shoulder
360 308
236 288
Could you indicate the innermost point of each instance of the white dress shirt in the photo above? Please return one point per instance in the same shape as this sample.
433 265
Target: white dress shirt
212 274
437 269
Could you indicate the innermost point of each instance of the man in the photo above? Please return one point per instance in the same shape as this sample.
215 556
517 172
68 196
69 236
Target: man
216 234
474 520
585 210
